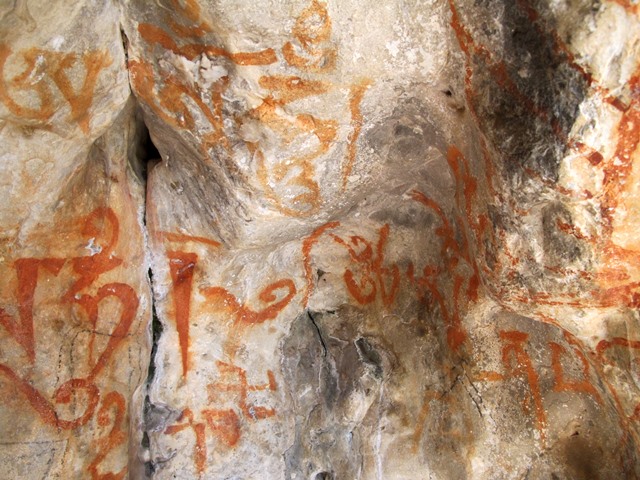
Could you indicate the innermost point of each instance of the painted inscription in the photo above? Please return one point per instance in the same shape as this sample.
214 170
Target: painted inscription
100 229
368 277
606 284
275 297
182 266
113 405
459 265
298 192
222 299
289 182
374 277
518 364
29 94
230 409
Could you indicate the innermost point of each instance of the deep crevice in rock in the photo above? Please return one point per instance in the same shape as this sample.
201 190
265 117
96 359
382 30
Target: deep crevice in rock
147 153
149 408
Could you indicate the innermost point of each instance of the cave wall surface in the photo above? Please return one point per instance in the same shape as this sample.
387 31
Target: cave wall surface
313 239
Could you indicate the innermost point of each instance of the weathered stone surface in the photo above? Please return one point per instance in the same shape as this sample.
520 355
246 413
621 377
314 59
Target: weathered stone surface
393 240
74 297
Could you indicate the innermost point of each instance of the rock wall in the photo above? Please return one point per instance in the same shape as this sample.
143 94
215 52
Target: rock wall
320 239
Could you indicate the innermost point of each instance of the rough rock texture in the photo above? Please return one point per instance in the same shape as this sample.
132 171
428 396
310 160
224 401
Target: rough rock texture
383 240
75 302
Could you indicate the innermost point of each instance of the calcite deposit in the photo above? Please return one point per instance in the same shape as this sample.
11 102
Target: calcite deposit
320 239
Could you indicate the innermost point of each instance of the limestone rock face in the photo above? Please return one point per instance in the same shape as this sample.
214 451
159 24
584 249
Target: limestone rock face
74 297
384 240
